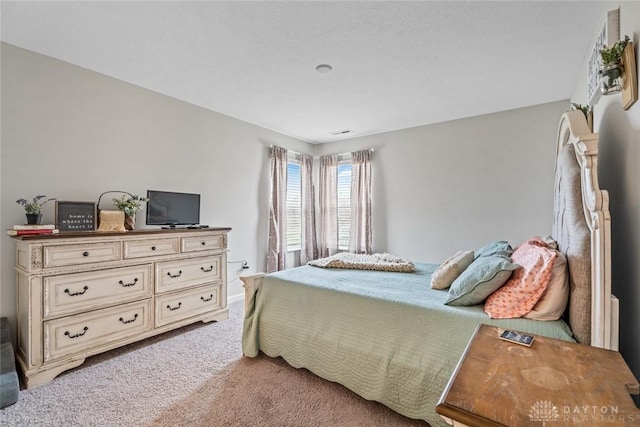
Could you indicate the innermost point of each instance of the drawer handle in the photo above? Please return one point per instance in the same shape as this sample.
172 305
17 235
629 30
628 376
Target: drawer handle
124 322
173 276
85 253
206 270
153 248
203 243
174 308
126 285
73 294
79 334
207 299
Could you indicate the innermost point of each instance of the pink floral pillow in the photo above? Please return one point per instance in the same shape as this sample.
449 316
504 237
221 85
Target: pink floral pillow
553 301
527 283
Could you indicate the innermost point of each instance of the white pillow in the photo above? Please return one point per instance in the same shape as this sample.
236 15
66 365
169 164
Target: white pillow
553 301
449 270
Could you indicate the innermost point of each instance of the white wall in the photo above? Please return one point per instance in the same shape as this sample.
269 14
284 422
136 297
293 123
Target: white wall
460 184
72 134
619 170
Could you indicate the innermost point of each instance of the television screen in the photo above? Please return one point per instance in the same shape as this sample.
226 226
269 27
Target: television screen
170 208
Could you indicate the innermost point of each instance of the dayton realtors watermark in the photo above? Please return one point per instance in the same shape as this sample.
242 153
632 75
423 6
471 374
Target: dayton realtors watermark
545 411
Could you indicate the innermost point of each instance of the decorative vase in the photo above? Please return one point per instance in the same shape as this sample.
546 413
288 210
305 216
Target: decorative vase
610 78
34 218
130 221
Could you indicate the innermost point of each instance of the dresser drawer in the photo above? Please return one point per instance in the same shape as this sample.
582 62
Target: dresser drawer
155 247
180 274
72 293
182 305
62 255
69 335
204 243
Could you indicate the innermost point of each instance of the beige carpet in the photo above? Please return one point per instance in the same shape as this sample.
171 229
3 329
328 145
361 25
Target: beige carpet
268 392
195 376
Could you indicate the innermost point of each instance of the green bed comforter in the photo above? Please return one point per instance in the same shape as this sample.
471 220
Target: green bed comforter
386 336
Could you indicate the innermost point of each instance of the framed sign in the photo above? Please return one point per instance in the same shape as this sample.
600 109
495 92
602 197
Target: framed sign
607 35
75 216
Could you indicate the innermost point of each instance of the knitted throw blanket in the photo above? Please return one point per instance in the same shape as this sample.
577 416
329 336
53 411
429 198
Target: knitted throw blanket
379 262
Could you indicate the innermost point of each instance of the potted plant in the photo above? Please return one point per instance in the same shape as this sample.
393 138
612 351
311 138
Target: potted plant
611 67
33 208
586 110
129 204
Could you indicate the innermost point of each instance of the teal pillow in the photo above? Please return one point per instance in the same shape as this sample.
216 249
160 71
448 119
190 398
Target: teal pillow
499 247
484 276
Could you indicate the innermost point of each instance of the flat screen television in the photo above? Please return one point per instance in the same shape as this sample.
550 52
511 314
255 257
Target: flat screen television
170 209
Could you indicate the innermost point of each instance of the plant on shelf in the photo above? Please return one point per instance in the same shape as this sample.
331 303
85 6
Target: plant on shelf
611 67
586 109
34 206
613 54
129 204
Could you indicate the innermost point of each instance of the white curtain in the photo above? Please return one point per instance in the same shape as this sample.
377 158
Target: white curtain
328 203
360 228
277 251
309 249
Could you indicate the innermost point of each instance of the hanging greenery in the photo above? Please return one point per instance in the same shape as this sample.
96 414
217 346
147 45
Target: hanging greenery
613 54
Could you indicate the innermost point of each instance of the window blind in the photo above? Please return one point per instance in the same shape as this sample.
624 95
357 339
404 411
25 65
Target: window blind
344 204
294 205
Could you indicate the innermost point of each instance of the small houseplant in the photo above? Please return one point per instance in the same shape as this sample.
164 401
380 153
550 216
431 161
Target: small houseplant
129 204
611 67
586 110
33 208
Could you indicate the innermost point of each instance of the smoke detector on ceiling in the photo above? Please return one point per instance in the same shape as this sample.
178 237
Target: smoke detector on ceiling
324 68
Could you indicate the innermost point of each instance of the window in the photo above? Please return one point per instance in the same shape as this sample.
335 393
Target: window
344 204
294 206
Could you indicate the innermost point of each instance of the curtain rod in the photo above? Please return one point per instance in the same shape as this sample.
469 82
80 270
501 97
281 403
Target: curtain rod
339 154
344 154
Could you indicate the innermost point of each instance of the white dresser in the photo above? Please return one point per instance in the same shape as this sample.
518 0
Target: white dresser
80 294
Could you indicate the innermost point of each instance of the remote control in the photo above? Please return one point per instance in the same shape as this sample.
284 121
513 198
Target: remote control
517 338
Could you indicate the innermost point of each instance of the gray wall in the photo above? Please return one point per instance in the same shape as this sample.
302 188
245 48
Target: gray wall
456 185
619 173
71 133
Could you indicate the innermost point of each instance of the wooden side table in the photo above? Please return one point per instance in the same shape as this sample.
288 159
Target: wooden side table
553 383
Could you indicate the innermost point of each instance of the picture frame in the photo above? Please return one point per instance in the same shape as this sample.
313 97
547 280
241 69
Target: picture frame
75 216
608 33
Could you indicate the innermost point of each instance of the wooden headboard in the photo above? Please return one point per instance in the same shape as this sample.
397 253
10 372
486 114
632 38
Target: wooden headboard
582 228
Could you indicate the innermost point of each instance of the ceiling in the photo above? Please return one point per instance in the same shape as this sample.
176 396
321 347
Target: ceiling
395 64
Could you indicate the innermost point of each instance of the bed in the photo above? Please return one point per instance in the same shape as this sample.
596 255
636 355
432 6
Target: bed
390 338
